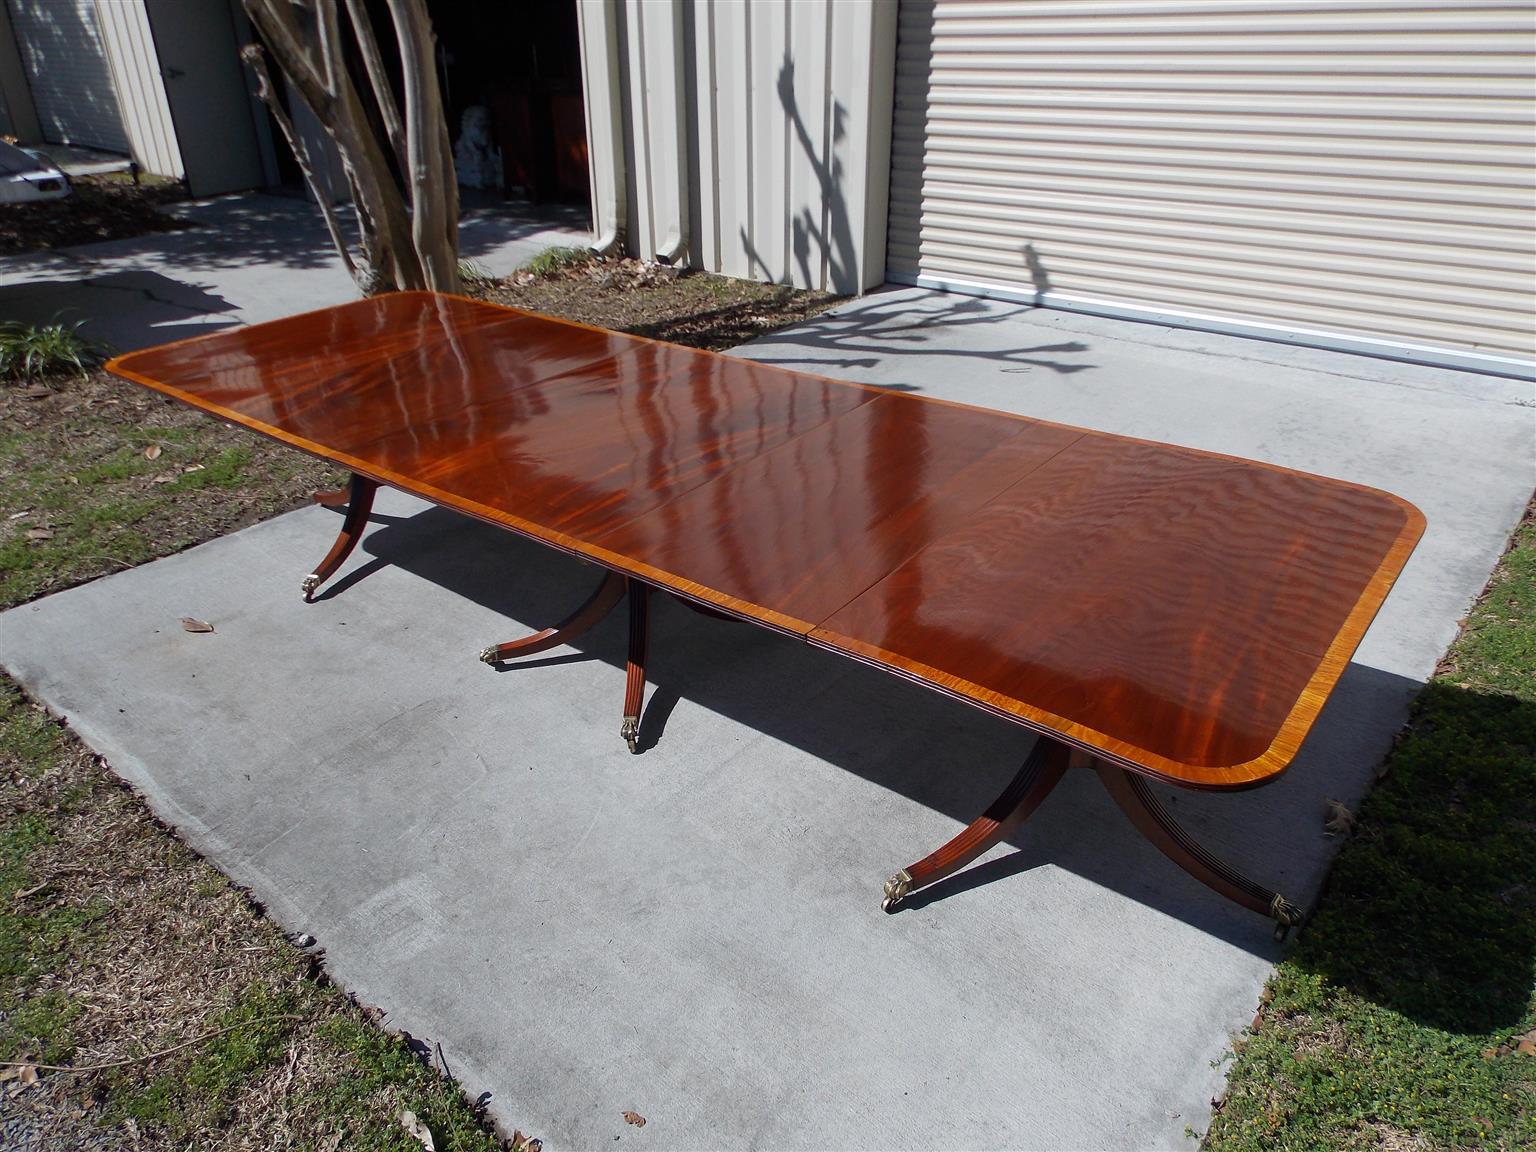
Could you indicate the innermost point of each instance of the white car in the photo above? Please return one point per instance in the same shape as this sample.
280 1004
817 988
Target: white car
26 177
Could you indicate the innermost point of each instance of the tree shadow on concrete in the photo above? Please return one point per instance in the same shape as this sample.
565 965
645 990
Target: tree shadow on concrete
874 330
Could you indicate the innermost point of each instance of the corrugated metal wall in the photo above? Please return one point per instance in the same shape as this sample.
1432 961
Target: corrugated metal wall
67 69
759 131
18 117
1359 167
129 45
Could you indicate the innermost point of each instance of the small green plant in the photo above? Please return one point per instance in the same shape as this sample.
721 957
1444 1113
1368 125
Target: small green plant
472 272
37 351
553 260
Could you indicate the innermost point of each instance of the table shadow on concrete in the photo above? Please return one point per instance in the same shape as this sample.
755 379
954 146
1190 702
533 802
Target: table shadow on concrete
1275 833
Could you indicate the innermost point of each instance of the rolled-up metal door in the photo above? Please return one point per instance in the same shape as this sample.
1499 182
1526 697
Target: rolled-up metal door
68 73
1353 173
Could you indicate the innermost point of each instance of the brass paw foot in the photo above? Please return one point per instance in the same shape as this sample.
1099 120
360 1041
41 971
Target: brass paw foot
630 730
1285 915
896 888
488 655
311 582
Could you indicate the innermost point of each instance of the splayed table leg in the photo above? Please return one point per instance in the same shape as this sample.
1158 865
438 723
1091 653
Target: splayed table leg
1135 797
360 493
1041 772
597 606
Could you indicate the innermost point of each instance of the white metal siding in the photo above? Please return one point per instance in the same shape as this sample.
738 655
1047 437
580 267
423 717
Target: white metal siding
757 131
130 51
791 134
68 73
1360 168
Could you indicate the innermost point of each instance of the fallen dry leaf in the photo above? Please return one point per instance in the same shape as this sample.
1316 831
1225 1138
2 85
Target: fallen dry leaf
193 624
19 515
1339 819
1526 1045
164 478
39 534
193 468
36 392
521 1143
634 1118
417 1129
152 452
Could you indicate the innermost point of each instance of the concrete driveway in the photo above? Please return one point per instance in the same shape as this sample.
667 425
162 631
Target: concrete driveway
252 257
694 933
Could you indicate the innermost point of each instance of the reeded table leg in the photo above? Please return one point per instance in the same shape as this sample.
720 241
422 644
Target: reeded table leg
634 680
360 493
598 605
1136 800
1041 772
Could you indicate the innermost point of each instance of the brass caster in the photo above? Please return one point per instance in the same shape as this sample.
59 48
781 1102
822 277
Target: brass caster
630 730
896 888
311 582
1285 915
488 655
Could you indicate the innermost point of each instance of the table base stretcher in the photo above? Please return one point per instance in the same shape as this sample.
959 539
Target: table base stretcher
1042 770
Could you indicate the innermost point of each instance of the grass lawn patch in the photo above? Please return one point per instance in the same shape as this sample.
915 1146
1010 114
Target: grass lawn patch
120 946
101 475
1405 1017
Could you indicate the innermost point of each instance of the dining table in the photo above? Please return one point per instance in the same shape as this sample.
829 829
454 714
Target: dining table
1155 614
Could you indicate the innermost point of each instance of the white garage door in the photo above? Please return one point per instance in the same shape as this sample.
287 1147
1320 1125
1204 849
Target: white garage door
68 73
1351 173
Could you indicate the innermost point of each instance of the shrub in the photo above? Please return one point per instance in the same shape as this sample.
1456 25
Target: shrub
37 351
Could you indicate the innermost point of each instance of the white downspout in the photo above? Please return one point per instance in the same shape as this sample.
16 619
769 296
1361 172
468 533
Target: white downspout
598 29
668 61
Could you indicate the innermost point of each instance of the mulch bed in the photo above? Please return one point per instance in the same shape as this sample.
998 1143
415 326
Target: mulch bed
694 308
98 208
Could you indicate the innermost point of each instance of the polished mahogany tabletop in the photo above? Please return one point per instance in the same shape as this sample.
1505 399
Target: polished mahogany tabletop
1174 611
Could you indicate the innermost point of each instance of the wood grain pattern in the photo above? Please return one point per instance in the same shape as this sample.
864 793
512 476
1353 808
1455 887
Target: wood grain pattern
1177 612
1168 608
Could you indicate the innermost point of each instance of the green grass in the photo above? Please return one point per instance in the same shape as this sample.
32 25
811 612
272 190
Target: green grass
100 476
38 351
33 944
199 1092
1394 1021
557 259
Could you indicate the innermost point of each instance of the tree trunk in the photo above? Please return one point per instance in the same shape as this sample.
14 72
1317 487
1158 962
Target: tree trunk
408 222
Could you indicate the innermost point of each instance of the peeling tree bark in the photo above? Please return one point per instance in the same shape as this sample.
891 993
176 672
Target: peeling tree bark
403 189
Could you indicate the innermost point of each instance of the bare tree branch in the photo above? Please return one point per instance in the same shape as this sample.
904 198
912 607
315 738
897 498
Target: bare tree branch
278 27
265 91
378 79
